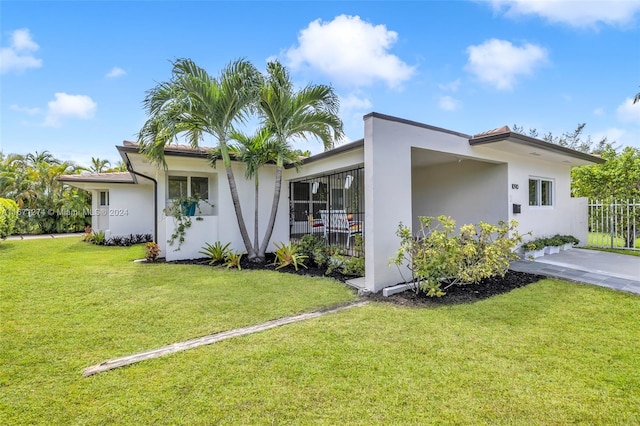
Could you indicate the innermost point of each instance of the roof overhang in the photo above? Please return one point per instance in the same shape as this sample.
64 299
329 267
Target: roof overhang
358 144
527 146
96 180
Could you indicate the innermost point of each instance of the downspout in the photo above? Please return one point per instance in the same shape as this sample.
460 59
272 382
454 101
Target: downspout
155 199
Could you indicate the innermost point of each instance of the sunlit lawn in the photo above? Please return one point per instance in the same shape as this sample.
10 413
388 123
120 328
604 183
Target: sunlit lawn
601 239
549 353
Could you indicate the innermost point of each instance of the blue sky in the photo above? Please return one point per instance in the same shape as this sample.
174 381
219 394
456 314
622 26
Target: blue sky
74 74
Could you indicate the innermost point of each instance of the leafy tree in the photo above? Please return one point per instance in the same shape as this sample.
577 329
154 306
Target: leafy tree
573 140
8 217
289 114
618 177
46 205
193 104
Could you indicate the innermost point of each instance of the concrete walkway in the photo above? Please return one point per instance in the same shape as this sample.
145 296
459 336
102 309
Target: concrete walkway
213 338
42 236
611 270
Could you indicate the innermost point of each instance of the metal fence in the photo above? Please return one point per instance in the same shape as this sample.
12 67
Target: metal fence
614 224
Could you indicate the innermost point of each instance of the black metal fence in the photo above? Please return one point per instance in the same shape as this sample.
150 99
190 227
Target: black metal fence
330 206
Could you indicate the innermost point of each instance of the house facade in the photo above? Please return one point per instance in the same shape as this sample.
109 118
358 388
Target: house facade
400 170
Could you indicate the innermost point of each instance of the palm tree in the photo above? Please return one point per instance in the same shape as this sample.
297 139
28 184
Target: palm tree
256 151
120 166
193 103
98 165
289 114
40 157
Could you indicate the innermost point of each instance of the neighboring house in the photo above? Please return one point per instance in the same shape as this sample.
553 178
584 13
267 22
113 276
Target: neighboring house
399 171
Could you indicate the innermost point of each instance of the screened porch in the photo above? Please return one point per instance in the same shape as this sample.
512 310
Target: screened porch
330 206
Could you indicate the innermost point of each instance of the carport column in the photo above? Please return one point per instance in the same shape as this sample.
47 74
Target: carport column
387 182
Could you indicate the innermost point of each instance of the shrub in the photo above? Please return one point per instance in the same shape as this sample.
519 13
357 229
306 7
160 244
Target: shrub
98 238
8 217
287 254
233 260
533 245
437 256
568 239
310 244
216 252
152 251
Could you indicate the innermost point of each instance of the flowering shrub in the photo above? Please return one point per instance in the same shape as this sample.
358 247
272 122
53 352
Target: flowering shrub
437 256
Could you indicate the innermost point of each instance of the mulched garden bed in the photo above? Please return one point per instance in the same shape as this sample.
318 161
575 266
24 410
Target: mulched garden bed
458 294
455 294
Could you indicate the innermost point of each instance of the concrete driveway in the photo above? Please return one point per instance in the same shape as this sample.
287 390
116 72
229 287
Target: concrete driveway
612 270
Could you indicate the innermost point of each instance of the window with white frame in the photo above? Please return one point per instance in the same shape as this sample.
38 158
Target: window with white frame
183 187
104 198
540 192
188 186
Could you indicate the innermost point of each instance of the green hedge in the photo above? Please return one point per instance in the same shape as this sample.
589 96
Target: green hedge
8 217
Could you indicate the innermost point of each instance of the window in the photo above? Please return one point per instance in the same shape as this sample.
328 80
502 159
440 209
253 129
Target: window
188 186
200 187
540 192
104 198
178 187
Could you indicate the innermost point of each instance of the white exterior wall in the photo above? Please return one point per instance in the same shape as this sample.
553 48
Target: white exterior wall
389 199
222 225
131 210
541 221
469 192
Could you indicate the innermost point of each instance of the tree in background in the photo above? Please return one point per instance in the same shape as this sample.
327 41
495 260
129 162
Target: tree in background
46 205
98 165
8 217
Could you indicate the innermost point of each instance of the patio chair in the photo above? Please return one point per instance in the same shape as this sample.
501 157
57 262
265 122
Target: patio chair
337 221
316 225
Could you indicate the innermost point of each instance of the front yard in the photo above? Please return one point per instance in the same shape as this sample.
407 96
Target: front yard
549 353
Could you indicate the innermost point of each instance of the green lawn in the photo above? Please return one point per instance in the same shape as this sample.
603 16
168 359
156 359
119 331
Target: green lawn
600 239
549 353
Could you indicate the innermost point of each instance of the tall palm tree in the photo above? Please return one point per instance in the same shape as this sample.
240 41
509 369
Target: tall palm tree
256 151
311 112
193 103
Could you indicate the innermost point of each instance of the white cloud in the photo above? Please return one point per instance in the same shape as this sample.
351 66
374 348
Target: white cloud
598 111
351 51
69 106
25 110
18 56
617 136
629 112
583 13
354 103
115 72
451 86
500 63
447 103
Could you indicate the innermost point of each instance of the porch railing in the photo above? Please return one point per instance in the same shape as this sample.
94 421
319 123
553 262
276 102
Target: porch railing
614 224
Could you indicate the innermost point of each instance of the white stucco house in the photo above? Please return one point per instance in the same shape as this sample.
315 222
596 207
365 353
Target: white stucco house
400 170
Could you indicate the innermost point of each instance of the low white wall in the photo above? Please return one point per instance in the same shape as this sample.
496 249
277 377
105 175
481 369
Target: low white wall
580 219
201 232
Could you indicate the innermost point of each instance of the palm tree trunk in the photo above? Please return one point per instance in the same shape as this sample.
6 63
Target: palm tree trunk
274 210
256 242
251 253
